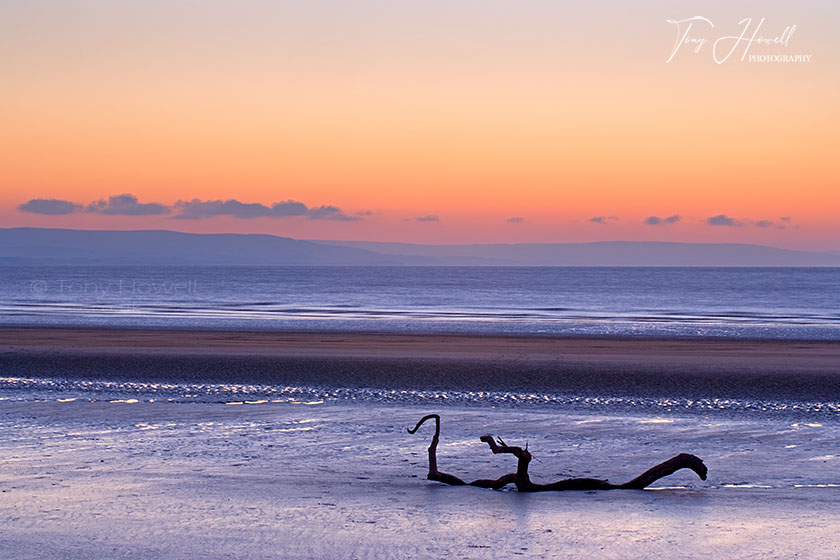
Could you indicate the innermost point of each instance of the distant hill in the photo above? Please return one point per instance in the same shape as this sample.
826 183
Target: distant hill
36 246
22 246
602 253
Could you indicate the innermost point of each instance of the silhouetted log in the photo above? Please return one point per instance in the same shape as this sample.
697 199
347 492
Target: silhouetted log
451 479
434 473
523 481
672 465
495 484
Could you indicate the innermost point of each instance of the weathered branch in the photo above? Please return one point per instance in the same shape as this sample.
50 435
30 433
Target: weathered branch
672 465
434 473
451 479
523 481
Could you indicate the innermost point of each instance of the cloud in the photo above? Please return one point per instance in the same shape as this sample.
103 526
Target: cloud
196 209
364 213
127 205
329 213
428 218
50 206
656 220
516 220
604 220
785 218
776 225
288 208
723 220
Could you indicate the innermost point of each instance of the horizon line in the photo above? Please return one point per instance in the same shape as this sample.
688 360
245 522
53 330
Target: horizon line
453 244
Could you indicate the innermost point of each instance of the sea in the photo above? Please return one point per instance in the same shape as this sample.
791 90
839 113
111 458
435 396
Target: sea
746 303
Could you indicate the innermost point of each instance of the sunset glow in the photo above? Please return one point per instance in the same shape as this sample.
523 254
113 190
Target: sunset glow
432 122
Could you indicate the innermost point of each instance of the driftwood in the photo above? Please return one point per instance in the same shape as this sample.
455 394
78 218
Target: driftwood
522 480
446 478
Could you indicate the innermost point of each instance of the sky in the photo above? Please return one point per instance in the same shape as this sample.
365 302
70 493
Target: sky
424 121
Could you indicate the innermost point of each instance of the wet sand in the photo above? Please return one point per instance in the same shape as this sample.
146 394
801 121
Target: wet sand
93 479
100 480
594 366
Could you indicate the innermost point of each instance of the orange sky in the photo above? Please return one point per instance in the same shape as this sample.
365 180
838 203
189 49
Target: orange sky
474 112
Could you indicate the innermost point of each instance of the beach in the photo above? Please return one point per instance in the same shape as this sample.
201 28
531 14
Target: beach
711 368
182 444
316 480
